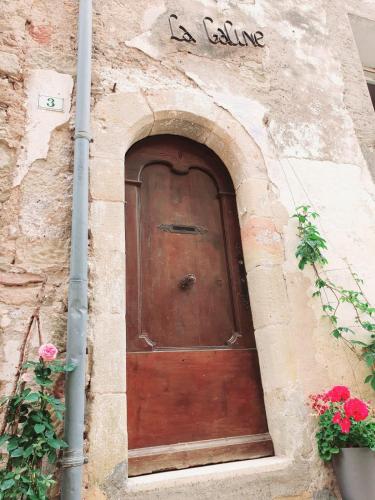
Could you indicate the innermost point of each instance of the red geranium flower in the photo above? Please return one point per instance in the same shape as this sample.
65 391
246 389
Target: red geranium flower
343 422
345 425
337 418
338 393
319 403
356 408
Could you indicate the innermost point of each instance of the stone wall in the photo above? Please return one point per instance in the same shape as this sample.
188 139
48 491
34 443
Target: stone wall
294 124
36 171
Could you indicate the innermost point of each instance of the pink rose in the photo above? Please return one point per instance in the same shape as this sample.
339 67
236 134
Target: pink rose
47 352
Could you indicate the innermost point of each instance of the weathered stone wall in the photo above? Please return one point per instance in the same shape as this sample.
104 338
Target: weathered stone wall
294 124
35 175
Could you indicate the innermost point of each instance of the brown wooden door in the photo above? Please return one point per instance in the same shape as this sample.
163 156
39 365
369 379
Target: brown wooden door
193 384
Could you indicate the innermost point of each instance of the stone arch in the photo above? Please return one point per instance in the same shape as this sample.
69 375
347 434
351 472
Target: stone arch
119 120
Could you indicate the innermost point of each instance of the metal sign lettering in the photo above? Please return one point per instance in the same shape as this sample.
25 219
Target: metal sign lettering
225 35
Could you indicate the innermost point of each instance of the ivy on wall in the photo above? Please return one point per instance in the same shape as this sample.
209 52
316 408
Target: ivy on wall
332 295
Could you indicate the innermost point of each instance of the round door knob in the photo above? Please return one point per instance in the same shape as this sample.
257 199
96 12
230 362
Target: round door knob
187 281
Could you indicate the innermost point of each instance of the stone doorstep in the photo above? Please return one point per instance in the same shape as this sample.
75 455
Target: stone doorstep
207 473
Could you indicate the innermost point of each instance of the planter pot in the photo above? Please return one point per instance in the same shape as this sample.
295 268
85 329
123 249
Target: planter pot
355 473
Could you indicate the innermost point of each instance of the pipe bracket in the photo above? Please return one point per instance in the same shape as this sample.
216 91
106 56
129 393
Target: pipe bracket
82 135
73 458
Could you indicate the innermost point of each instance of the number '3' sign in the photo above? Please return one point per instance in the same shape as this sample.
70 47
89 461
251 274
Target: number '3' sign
51 103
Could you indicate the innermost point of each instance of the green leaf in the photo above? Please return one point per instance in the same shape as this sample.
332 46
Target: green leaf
39 428
369 358
54 443
370 327
18 452
336 333
52 457
44 382
69 367
36 417
28 452
368 378
8 483
333 320
13 443
4 438
302 263
30 364
32 397
373 382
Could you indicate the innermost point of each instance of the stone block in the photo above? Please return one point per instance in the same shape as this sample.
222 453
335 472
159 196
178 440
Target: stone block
237 149
108 283
268 296
107 224
107 181
301 496
20 279
253 198
119 120
277 357
17 296
109 354
189 113
6 163
107 435
37 254
9 64
107 268
94 493
287 414
261 242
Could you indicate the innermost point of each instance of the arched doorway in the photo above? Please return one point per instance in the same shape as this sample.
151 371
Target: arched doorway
193 385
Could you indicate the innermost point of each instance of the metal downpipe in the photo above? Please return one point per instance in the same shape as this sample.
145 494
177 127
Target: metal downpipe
73 457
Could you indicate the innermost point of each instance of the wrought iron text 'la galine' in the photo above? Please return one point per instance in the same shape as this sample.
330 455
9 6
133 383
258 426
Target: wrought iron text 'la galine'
227 35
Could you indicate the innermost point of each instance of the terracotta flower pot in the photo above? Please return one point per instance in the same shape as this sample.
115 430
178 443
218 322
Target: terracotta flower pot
355 472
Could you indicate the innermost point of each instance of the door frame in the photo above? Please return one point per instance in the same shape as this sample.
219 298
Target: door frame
130 117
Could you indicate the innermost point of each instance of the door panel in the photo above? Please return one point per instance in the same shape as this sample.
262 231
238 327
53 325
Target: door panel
181 235
192 365
219 389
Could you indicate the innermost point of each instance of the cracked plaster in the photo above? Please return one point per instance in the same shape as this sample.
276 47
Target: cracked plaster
41 122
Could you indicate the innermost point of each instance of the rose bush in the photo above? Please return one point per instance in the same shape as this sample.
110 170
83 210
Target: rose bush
30 436
344 421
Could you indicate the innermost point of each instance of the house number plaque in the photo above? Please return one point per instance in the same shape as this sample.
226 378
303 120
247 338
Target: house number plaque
51 103
226 34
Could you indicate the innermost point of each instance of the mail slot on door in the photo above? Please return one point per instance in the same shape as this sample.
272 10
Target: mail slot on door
182 229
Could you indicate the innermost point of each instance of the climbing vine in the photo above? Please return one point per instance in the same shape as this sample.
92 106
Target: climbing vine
310 251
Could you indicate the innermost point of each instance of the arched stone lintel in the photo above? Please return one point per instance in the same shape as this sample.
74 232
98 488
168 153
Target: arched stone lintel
119 120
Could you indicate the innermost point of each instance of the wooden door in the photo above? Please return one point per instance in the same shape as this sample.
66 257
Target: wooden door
193 384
